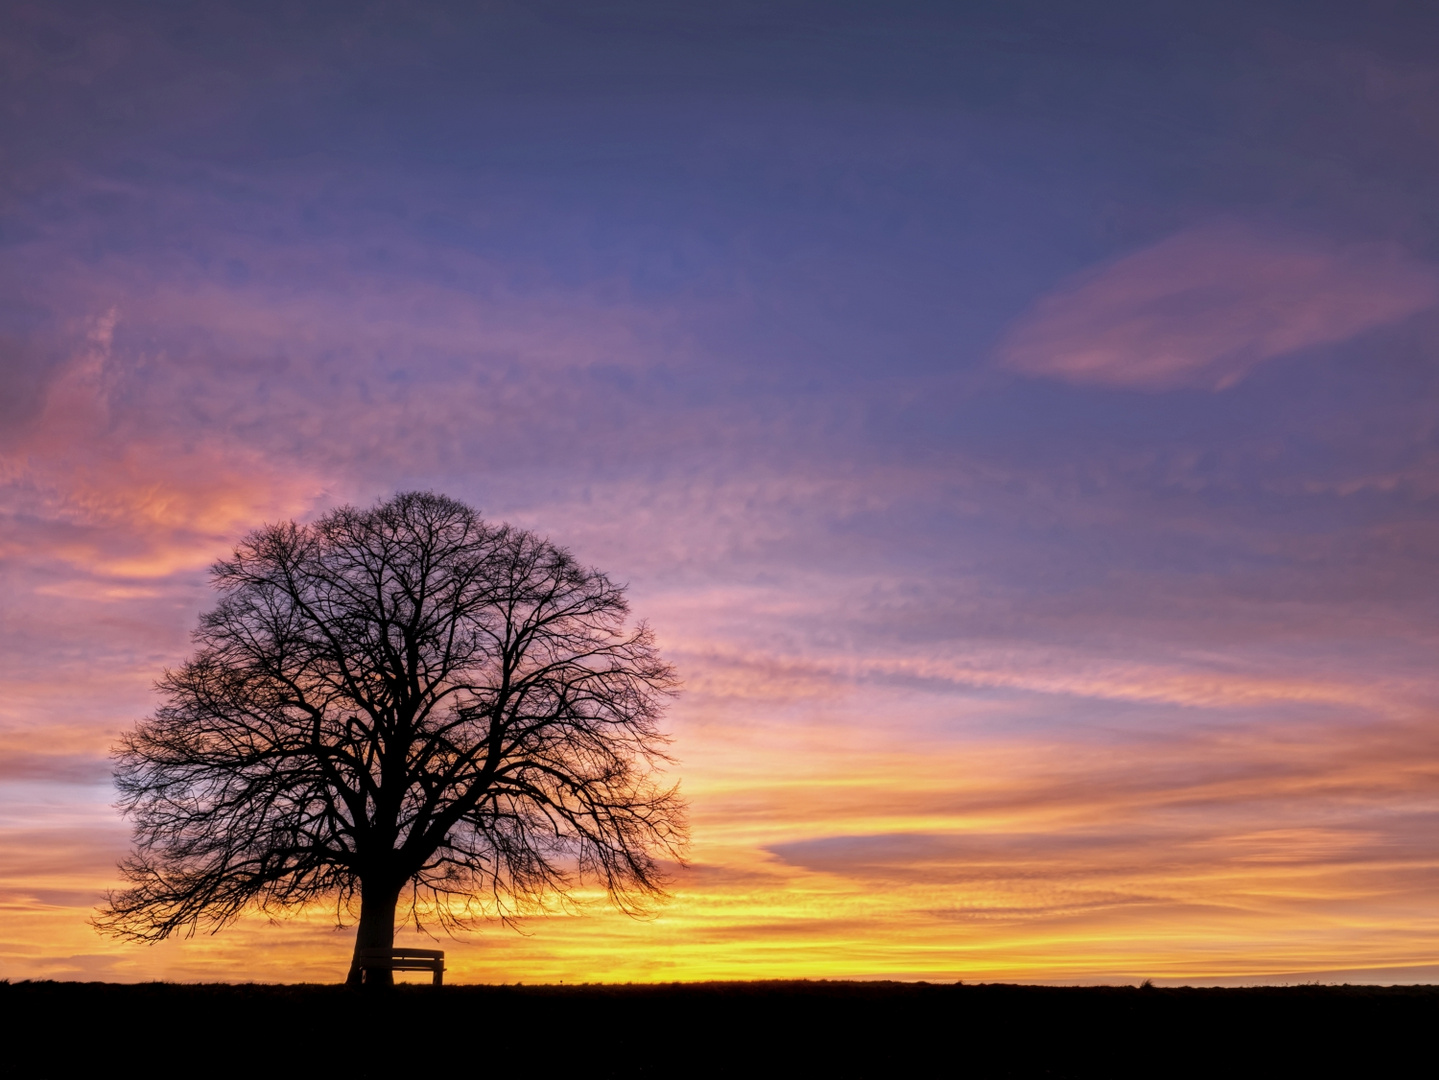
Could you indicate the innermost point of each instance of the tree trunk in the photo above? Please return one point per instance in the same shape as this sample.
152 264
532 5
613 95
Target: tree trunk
376 931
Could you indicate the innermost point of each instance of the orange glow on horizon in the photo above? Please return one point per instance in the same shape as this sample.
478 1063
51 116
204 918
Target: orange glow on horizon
834 855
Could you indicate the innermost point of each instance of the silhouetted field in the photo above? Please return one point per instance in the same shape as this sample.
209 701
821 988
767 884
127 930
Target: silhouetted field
740 1029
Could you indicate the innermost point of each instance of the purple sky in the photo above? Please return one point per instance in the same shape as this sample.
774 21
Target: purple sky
1018 422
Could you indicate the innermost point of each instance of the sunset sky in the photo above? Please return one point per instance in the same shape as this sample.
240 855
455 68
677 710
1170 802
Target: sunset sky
1019 423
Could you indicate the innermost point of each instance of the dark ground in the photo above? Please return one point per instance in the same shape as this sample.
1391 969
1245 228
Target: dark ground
703 1029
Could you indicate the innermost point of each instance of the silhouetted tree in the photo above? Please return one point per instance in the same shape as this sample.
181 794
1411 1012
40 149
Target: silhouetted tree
404 704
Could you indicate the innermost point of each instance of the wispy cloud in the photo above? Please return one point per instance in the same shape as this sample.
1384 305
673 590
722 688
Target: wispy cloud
94 485
1205 306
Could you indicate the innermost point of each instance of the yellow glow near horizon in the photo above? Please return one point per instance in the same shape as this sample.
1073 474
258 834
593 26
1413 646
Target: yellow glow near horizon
996 860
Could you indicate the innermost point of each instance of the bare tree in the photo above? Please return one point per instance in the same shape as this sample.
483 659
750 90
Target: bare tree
400 708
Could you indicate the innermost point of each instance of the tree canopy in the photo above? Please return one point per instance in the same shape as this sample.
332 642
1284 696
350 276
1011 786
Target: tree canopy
401 708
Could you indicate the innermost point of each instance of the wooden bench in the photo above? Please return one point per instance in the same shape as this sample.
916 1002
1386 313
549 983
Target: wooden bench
432 960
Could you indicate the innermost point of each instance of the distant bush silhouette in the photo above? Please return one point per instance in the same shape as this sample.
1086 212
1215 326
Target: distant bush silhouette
403 703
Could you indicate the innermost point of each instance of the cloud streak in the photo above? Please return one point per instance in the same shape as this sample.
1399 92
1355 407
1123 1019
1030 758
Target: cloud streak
1204 307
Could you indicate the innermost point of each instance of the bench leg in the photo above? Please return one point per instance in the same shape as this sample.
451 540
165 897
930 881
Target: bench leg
439 979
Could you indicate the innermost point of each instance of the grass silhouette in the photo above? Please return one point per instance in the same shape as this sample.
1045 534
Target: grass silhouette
704 1029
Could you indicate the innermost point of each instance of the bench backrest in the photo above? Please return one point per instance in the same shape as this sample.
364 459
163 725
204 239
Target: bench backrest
432 960
386 954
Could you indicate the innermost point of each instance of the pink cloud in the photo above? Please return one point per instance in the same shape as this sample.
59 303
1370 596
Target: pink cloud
1203 307
86 487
